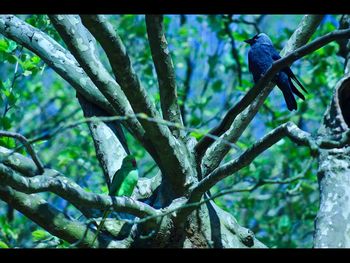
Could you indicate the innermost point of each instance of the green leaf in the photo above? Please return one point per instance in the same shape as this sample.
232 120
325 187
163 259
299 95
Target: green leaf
40 235
217 85
197 135
12 59
5 123
7 45
284 223
3 45
3 245
12 99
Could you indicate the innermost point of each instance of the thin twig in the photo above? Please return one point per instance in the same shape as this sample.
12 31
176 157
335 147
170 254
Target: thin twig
15 77
27 145
48 135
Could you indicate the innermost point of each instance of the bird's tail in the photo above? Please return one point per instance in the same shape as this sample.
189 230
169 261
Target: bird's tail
292 76
288 95
295 90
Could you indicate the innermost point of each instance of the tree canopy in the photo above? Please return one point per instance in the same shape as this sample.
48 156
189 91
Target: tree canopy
188 72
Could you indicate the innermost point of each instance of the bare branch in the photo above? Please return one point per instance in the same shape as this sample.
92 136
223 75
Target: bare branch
179 205
303 33
81 44
48 217
27 145
121 64
164 68
65 65
124 73
288 129
54 182
109 140
330 144
18 162
174 163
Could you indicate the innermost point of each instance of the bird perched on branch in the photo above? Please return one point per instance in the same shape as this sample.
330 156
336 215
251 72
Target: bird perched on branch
125 179
123 184
260 58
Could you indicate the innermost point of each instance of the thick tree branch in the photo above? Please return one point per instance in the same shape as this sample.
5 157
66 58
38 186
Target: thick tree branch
109 140
123 71
331 144
174 163
65 65
82 46
53 181
48 217
288 129
18 162
303 33
256 96
164 68
28 146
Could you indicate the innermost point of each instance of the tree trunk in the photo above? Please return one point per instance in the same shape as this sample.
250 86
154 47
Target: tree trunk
333 219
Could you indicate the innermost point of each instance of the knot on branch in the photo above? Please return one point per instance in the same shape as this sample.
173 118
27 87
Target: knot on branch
246 236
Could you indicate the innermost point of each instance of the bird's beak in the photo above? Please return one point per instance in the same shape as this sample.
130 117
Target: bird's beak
249 41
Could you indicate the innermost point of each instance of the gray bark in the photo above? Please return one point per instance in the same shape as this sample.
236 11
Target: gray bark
332 228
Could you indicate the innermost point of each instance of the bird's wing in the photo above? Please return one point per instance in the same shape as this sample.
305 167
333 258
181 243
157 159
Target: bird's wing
254 71
275 56
128 185
250 62
273 52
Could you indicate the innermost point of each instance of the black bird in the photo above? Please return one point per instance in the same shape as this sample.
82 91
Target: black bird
260 58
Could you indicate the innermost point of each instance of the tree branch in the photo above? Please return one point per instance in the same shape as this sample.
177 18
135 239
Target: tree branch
109 140
121 65
174 163
164 68
53 181
48 217
330 144
123 71
18 162
81 44
66 66
288 129
26 167
303 33
27 145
